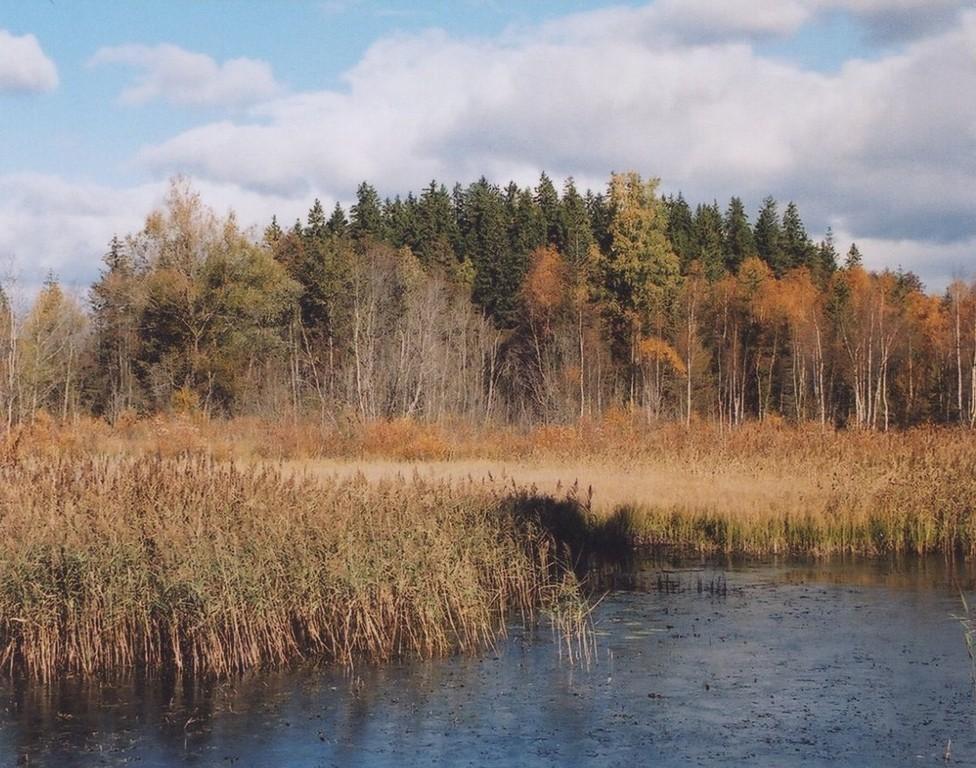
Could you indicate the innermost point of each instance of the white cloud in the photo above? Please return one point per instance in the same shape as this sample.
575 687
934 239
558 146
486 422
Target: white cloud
884 149
24 66
50 224
178 76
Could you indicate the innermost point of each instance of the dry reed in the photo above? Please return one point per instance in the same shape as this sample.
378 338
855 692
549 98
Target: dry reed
197 566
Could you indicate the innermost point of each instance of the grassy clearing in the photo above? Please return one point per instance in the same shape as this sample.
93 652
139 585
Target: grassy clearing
195 566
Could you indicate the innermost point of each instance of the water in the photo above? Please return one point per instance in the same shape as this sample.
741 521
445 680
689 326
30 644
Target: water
776 665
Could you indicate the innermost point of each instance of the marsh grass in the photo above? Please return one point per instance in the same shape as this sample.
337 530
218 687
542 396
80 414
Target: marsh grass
915 503
195 566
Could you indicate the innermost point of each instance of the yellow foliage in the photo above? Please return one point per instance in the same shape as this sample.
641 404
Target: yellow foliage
653 349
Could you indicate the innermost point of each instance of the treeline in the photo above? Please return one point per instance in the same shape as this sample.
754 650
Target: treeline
495 304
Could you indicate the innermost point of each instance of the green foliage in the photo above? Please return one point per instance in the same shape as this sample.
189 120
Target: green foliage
707 247
640 270
367 215
739 241
769 237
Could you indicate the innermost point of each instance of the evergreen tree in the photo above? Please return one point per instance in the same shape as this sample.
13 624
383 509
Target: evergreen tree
826 260
437 230
547 202
599 209
400 221
576 231
367 214
337 225
315 226
681 229
272 233
739 242
769 237
707 241
486 243
853 258
799 250
527 225
116 304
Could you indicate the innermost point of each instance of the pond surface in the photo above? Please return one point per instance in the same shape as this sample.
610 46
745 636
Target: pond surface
764 665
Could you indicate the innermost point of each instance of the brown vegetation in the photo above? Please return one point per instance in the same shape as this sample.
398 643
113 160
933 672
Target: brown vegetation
200 567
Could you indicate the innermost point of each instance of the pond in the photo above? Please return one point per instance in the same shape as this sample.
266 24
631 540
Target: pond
734 664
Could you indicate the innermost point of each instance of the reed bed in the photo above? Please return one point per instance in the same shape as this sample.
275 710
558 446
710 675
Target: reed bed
195 566
917 502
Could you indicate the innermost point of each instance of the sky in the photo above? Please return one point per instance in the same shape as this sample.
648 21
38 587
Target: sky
863 112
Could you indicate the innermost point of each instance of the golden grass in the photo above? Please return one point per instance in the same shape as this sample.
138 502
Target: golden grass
198 566
757 490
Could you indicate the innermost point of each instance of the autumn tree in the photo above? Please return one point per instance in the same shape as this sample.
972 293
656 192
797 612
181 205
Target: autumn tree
640 272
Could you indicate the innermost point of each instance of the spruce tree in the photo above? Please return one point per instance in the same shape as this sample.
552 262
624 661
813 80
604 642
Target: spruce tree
338 224
272 233
367 215
484 233
826 260
576 231
707 246
769 237
798 248
315 222
739 242
680 229
547 201
436 226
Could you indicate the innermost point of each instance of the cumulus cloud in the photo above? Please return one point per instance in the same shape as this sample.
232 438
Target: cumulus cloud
23 65
896 20
891 142
884 149
49 224
170 73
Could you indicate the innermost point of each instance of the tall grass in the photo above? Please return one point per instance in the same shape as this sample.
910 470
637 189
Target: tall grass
916 497
197 566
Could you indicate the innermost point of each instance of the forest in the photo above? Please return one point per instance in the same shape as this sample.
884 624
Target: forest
494 305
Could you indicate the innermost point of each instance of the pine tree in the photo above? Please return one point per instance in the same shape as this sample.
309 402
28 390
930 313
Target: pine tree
527 225
115 302
853 258
640 272
400 221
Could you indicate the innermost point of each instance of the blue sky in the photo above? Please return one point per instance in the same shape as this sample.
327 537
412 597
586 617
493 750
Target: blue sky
857 109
